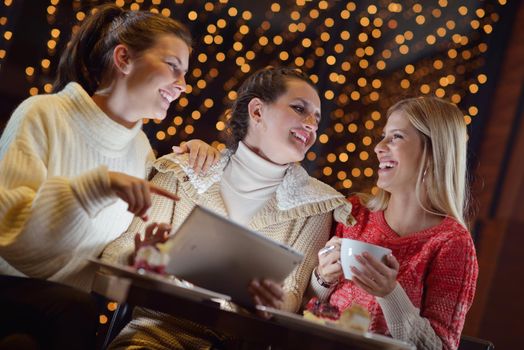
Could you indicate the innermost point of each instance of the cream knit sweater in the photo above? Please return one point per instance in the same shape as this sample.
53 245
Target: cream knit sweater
298 214
56 207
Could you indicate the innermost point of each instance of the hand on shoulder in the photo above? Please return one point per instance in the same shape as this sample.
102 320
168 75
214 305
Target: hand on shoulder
201 155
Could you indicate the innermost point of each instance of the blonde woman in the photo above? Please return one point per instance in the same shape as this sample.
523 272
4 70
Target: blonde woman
421 293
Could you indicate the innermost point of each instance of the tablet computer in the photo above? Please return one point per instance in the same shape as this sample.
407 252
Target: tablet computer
217 254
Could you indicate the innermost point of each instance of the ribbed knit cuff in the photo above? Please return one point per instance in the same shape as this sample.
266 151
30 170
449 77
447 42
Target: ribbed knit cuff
397 307
321 292
291 302
93 190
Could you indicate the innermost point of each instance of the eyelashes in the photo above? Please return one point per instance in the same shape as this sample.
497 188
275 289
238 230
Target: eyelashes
302 110
393 137
173 66
298 108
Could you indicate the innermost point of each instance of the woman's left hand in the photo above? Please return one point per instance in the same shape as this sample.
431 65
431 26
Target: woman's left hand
155 233
375 277
266 293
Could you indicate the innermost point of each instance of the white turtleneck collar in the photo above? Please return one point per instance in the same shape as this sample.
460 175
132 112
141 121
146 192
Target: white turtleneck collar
296 188
99 129
251 175
249 181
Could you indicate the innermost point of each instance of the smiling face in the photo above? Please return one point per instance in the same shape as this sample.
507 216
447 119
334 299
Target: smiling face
399 154
284 130
156 77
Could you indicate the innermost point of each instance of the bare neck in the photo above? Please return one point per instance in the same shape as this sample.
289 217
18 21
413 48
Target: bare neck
405 215
113 105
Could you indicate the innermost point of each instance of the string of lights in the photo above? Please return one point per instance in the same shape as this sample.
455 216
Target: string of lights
7 17
363 56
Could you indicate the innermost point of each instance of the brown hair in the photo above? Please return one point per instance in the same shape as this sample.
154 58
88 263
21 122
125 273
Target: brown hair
88 57
267 84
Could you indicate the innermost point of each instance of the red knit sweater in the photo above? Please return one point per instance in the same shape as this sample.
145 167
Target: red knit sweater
438 271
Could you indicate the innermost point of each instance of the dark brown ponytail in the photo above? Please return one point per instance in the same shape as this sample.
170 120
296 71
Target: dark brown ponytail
87 59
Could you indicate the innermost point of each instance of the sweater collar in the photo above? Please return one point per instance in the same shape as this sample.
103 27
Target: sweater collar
296 189
251 175
91 121
419 235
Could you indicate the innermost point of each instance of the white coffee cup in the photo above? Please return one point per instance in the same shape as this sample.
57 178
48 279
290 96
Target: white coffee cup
351 248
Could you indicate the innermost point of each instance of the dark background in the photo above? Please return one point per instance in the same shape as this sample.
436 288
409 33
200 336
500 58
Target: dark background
364 56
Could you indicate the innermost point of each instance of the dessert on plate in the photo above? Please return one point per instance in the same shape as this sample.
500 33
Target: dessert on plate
356 318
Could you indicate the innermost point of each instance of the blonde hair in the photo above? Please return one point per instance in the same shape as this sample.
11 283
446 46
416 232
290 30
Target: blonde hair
442 171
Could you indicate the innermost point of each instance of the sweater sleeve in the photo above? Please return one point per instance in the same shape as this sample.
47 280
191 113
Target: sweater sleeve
405 322
449 289
161 211
39 215
315 289
313 235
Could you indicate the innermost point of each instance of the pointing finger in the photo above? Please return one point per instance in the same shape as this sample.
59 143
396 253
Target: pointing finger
162 192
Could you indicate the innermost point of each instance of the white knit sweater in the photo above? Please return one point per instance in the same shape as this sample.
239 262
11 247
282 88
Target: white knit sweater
56 207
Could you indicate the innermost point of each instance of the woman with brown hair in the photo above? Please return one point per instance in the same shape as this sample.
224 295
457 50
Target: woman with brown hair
72 168
257 183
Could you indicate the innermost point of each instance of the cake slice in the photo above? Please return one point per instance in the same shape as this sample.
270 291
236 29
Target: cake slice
356 318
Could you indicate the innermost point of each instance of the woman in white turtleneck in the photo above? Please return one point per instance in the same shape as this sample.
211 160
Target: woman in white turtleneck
249 181
257 183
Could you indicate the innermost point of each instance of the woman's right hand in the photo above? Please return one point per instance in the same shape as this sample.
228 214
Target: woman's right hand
329 268
201 155
266 292
136 192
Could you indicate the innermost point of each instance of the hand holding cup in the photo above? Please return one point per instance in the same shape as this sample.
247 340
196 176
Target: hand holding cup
371 267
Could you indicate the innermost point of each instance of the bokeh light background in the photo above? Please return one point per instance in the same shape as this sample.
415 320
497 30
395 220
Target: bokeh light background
363 55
